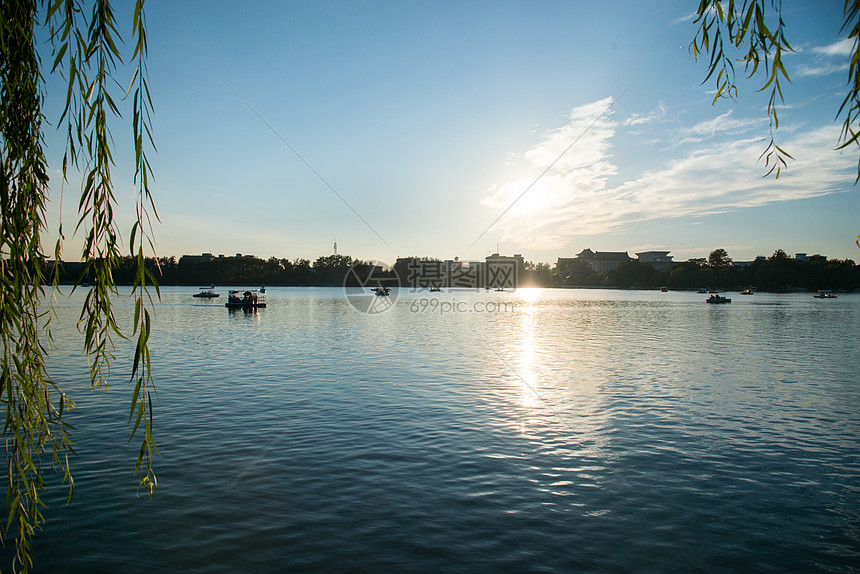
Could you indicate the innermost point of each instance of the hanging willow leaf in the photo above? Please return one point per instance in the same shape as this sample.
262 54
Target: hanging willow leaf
87 55
748 25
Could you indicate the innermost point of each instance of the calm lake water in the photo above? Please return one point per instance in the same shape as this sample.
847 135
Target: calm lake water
536 430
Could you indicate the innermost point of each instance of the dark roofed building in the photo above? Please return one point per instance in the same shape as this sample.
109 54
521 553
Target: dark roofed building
603 261
600 261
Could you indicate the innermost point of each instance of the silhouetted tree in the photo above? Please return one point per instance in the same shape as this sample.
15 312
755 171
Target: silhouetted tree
719 259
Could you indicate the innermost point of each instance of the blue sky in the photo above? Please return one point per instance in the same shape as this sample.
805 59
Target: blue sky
430 118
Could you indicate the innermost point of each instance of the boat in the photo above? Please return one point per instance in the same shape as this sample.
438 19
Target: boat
252 299
381 291
702 290
435 289
664 289
747 292
500 288
717 299
824 294
207 292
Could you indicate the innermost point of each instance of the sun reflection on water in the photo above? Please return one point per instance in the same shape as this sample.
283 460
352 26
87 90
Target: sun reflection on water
527 358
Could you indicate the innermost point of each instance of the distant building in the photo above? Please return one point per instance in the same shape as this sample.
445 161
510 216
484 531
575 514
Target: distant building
657 259
503 271
603 261
516 259
758 259
801 256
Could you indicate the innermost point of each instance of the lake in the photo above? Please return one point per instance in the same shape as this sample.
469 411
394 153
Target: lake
539 430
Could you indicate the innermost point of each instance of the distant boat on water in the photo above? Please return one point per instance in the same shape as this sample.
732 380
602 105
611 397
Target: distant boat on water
246 299
717 299
207 292
381 291
747 292
824 294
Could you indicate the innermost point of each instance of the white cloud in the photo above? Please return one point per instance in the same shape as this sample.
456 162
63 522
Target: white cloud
657 115
724 125
579 155
574 200
820 70
841 48
684 19
580 143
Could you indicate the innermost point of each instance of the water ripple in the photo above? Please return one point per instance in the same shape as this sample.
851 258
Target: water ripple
475 442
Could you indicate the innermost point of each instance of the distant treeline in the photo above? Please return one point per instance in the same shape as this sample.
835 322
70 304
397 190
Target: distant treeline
331 270
776 273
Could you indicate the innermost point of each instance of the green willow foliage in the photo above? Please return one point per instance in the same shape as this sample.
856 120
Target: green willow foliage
750 25
86 54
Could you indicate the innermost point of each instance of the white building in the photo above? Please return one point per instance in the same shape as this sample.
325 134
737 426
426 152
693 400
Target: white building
657 259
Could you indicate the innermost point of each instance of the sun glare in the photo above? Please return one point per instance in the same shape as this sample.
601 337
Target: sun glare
529 295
